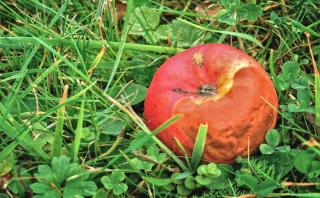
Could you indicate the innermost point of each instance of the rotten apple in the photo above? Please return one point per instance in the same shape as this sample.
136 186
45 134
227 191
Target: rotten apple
215 84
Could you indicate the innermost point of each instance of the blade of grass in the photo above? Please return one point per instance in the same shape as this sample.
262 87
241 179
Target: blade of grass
273 71
17 84
123 40
11 98
183 151
96 61
302 139
199 146
78 132
238 34
22 42
69 100
37 81
317 83
157 130
7 151
57 143
304 28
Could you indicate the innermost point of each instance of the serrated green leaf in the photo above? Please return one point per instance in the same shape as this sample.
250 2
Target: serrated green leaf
64 177
17 186
44 190
78 188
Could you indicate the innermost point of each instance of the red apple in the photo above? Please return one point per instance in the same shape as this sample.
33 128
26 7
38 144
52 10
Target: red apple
215 84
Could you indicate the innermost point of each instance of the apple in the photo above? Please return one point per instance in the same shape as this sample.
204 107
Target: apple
218 85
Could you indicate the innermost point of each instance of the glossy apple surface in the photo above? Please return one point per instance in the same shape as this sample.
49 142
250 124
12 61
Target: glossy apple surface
215 84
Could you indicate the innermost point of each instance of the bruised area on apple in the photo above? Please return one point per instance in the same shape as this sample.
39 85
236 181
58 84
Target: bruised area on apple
215 84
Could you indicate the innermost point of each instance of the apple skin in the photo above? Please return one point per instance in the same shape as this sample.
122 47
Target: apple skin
215 84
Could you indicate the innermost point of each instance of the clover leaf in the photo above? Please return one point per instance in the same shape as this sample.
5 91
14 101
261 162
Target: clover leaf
145 22
154 153
207 174
114 182
273 137
185 35
141 164
250 11
234 9
273 140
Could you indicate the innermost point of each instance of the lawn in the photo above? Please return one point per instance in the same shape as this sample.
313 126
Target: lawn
74 75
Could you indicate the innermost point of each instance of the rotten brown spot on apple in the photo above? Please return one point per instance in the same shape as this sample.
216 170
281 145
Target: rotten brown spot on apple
198 58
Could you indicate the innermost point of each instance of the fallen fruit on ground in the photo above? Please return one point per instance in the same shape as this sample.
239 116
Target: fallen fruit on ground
215 84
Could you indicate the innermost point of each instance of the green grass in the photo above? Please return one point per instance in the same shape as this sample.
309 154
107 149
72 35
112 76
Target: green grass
104 59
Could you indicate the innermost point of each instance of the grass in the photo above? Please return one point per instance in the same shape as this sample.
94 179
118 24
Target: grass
73 77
